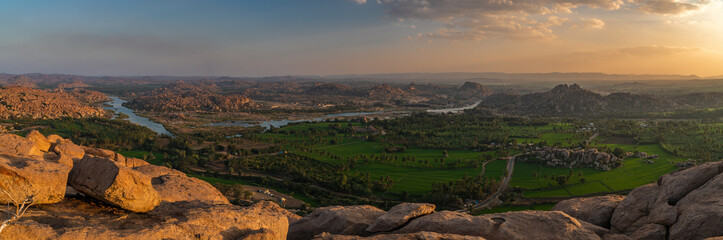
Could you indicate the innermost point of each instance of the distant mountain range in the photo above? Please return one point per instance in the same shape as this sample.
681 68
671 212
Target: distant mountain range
572 100
491 76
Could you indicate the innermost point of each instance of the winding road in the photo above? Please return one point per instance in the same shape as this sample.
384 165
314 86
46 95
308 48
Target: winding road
503 186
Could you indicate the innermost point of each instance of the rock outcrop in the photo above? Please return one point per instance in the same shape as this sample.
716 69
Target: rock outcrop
79 218
174 186
687 204
27 169
114 184
182 96
401 236
595 210
350 220
511 225
117 157
399 215
568 158
40 141
22 176
16 145
185 212
24 102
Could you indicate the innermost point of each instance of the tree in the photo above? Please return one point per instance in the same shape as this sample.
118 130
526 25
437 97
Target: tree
619 152
22 203
561 180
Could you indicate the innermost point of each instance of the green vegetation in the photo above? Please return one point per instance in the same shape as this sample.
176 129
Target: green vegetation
423 157
96 132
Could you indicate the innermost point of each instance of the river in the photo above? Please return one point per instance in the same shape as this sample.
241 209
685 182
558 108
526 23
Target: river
117 107
280 123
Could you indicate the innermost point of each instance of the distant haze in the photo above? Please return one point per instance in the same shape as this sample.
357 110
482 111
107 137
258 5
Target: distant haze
339 37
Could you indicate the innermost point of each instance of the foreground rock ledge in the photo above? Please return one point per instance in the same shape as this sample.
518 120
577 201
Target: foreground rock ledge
82 218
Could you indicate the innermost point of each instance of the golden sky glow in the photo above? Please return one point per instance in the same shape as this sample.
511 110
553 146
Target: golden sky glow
288 37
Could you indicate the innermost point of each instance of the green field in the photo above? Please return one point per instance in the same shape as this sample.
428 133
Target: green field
634 172
140 154
429 166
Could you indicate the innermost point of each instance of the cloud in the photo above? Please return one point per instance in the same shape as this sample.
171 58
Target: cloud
590 23
651 50
503 26
360 2
670 7
638 51
527 19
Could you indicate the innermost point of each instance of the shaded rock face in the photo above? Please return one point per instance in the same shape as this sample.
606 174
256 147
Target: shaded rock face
595 210
661 203
399 215
511 225
677 185
76 218
174 186
403 236
650 232
349 220
25 176
113 183
632 212
700 213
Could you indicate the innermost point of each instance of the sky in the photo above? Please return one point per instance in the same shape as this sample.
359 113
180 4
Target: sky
324 37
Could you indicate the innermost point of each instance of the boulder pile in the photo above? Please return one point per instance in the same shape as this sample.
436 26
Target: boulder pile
88 193
572 158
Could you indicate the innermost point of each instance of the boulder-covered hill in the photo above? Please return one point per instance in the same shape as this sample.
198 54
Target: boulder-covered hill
24 102
572 100
181 96
473 90
90 193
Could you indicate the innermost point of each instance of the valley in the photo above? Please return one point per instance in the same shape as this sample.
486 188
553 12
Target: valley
470 154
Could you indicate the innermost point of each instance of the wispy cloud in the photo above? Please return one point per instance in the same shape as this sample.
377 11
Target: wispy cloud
590 23
670 7
531 19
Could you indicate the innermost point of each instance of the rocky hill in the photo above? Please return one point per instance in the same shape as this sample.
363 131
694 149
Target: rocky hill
572 100
182 96
473 90
73 84
89 193
23 102
385 91
329 89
